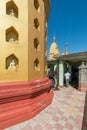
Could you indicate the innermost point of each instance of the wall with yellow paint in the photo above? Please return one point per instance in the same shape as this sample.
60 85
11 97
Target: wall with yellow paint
23 39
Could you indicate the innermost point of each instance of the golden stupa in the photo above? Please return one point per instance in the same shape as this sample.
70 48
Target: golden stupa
54 51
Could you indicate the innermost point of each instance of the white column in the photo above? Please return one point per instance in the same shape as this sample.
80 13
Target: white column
61 73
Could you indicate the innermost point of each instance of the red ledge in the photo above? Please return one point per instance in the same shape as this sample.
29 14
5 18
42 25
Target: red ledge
21 101
13 89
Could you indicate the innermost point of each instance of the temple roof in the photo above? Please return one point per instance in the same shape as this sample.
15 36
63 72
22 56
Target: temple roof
74 57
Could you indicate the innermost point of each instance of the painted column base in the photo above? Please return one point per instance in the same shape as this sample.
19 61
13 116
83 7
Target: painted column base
82 88
23 100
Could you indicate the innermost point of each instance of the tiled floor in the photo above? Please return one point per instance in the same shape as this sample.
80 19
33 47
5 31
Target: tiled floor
65 113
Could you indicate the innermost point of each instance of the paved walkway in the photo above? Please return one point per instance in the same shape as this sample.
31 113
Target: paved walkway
65 113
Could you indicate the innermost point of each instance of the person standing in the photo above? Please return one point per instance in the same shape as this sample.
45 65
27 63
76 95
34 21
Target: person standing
67 78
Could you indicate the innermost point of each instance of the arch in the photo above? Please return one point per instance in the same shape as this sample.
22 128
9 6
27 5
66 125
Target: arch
36 65
12 62
11 34
11 9
36 44
36 24
36 4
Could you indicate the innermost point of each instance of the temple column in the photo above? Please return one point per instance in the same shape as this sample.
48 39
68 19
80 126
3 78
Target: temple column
61 73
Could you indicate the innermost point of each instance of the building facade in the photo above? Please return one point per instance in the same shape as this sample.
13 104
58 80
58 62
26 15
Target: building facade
76 65
23 33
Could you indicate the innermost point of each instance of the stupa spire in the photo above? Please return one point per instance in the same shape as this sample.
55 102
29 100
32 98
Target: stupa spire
66 47
54 39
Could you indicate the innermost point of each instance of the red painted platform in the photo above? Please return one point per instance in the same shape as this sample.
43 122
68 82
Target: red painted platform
20 101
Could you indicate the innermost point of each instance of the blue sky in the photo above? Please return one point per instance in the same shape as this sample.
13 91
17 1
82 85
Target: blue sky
68 23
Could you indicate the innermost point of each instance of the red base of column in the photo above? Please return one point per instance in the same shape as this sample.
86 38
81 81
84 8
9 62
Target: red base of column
82 88
23 100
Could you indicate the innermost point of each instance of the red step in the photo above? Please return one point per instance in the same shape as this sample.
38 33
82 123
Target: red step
21 106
